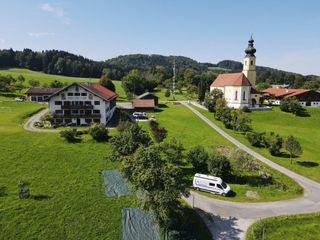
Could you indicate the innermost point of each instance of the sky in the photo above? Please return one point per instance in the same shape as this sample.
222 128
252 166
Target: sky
286 32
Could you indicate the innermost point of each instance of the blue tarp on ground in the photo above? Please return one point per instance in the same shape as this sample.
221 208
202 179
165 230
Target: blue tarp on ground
138 225
115 184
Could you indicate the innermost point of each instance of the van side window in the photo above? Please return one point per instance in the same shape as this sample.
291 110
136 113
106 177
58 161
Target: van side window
212 184
219 186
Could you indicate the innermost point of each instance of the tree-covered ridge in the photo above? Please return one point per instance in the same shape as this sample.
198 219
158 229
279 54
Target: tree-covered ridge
158 67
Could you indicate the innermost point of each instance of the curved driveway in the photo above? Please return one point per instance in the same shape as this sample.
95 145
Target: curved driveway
29 125
230 220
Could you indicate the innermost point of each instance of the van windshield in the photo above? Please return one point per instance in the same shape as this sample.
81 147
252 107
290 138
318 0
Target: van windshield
224 185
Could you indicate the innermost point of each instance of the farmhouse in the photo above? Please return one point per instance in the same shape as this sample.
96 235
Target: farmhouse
238 88
306 97
82 104
40 94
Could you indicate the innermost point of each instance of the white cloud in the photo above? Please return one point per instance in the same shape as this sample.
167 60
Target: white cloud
56 10
39 34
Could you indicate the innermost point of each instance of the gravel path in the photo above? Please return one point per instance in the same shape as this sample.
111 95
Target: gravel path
29 125
230 220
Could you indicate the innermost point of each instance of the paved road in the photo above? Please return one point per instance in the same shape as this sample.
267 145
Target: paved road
29 125
230 220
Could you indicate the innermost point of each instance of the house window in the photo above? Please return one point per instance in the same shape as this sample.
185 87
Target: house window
77 88
33 98
81 111
67 120
96 102
75 111
88 120
90 96
83 94
96 111
70 94
57 103
97 120
77 94
236 96
63 96
59 111
87 102
244 95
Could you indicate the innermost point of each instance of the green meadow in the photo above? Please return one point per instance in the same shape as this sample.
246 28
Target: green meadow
305 129
190 130
294 227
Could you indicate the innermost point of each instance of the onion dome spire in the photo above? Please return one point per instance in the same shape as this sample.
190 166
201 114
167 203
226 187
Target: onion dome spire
250 50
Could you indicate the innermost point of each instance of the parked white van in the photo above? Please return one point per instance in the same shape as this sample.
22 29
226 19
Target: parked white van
210 184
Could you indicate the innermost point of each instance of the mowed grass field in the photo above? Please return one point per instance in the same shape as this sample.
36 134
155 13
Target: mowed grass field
305 129
294 227
64 177
190 130
67 195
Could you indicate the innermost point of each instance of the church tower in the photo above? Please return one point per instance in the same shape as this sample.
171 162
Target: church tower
249 64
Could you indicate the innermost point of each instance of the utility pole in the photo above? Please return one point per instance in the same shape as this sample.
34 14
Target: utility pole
174 78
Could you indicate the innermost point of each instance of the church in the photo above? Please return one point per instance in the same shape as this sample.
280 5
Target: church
239 88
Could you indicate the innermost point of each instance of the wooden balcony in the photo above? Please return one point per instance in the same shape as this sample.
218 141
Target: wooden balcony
77 115
77 107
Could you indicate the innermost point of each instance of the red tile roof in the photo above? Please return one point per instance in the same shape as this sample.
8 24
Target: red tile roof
143 103
48 91
284 92
231 79
99 90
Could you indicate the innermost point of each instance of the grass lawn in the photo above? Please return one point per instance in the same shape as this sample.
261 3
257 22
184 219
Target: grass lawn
68 199
294 227
305 129
190 130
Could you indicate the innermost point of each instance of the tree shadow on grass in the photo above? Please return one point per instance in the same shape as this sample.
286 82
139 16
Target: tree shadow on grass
308 164
40 197
162 105
3 191
220 227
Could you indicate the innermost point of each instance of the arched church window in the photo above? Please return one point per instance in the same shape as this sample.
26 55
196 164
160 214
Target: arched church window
244 95
236 96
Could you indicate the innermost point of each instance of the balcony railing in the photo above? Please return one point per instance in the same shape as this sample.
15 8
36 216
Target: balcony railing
77 107
77 115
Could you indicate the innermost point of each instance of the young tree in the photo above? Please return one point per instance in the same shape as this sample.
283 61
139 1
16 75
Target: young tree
292 145
219 165
107 83
160 183
273 142
212 98
56 84
167 93
220 107
34 83
242 122
198 157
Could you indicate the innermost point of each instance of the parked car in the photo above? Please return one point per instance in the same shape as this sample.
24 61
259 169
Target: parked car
140 115
210 184
19 99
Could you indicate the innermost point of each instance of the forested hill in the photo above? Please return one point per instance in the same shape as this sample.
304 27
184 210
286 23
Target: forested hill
68 64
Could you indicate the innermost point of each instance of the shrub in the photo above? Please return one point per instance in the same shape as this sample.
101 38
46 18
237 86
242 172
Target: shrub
24 191
198 157
219 165
256 139
292 105
167 93
123 125
293 146
70 135
159 134
245 109
274 143
98 132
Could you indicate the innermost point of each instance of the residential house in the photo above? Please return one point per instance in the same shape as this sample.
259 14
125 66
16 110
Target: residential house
306 97
40 94
83 104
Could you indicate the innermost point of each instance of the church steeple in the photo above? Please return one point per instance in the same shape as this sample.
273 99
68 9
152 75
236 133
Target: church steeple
250 50
249 63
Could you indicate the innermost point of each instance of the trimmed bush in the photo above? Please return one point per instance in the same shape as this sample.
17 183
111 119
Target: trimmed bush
98 132
70 135
256 139
219 165
198 157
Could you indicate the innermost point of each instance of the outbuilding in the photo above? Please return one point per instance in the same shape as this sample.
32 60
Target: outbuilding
40 94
